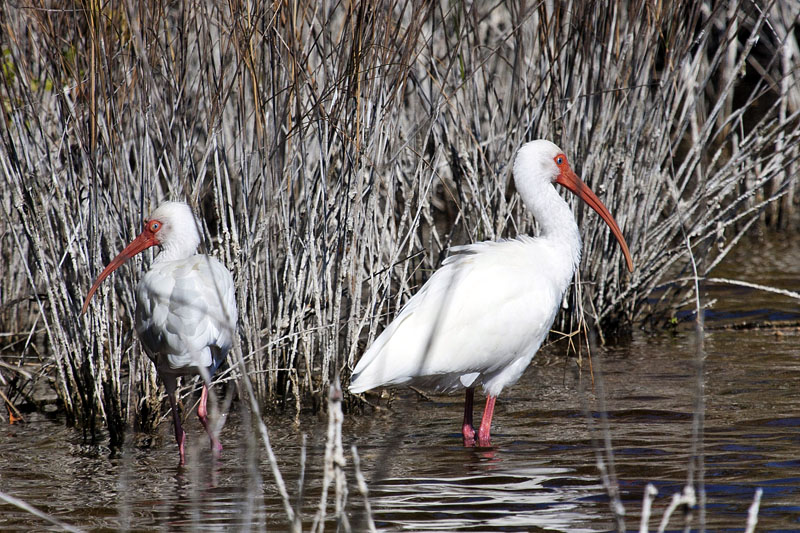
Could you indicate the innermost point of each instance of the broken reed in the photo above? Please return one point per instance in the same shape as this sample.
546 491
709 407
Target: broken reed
336 150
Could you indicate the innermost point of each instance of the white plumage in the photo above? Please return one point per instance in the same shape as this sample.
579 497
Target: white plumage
443 337
185 309
185 306
482 316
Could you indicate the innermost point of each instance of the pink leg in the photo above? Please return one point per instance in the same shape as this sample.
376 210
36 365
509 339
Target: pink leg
202 414
484 436
180 434
466 429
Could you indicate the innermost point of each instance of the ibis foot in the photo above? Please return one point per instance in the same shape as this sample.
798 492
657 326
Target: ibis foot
469 435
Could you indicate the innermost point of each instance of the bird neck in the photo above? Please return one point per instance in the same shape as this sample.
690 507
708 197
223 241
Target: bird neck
557 224
175 250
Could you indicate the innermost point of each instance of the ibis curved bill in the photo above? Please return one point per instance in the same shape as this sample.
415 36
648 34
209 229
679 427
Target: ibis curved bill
481 317
185 307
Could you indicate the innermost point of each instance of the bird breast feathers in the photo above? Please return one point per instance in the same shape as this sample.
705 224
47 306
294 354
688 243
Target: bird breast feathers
185 306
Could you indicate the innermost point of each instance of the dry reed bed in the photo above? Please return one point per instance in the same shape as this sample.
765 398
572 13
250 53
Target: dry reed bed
336 150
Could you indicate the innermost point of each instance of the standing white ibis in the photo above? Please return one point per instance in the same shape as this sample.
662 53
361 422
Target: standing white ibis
482 316
185 307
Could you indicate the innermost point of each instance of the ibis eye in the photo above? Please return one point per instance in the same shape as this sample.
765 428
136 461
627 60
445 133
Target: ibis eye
155 226
559 160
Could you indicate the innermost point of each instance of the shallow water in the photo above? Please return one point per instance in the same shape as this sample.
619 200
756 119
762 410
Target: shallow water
540 473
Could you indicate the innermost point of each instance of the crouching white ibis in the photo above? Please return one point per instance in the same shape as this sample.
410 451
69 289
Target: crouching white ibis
482 316
185 307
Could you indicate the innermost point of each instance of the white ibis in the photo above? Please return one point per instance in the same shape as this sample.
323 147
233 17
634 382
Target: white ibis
482 316
185 307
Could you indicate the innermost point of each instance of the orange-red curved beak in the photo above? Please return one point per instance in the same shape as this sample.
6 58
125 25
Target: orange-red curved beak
145 240
571 181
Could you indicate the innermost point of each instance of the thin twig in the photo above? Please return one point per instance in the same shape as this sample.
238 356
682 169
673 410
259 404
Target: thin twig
16 502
